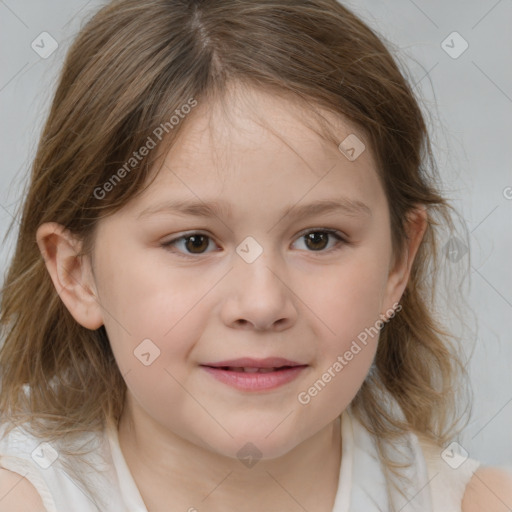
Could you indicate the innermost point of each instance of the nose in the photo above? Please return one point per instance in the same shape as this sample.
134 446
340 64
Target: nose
259 296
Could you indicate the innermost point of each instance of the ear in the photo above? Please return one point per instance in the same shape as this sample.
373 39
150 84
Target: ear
71 274
416 225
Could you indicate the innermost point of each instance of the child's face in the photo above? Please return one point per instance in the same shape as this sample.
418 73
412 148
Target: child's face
204 301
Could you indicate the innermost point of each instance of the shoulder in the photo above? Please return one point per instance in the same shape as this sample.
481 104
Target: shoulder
17 494
489 489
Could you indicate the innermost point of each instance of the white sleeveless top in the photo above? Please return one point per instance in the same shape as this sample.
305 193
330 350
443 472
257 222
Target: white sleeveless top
436 485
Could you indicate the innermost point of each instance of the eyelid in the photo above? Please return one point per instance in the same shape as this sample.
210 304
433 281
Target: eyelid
332 231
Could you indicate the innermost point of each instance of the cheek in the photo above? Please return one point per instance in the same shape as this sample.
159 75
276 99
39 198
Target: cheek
142 300
347 300
334 385
348 303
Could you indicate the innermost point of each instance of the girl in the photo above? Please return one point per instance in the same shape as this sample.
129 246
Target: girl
221 295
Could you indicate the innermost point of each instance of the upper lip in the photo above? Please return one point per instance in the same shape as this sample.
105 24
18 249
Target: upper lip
249 362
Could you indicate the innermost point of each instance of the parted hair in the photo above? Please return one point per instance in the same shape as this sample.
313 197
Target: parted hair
130 67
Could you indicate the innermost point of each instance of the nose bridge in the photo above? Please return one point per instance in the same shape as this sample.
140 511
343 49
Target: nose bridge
259 294
257 265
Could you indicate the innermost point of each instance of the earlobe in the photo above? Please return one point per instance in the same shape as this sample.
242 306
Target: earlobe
417 223
71 274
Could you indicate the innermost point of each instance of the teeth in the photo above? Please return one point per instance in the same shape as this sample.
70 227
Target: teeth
251 370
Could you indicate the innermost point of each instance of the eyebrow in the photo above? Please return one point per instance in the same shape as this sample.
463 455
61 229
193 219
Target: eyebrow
350 207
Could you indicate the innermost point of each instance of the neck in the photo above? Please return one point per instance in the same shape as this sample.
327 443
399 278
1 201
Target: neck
170 469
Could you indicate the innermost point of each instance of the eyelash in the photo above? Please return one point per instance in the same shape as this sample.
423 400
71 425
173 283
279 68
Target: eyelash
336 234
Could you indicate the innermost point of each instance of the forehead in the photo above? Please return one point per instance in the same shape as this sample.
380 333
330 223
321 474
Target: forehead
255 150
259 122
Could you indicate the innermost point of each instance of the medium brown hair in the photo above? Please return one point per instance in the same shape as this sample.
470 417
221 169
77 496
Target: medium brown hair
131 66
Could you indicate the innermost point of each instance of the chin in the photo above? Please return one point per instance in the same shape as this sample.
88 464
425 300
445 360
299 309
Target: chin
253 444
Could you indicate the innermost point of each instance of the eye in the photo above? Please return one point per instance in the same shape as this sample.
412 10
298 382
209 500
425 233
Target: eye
316 240
193 242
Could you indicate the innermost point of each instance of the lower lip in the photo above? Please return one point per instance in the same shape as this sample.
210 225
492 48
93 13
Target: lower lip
255 381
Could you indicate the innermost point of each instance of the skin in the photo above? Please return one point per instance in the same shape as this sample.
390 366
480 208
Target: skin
182 429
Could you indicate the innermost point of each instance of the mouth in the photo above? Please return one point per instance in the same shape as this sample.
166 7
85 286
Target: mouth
250 374
252 369
271 363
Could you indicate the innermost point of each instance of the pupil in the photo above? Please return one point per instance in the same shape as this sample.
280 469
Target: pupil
314 237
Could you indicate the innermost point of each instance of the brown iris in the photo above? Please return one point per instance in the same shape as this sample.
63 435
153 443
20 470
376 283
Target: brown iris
196 242
317 237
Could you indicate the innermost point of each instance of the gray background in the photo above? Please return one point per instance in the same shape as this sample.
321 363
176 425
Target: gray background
469 104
